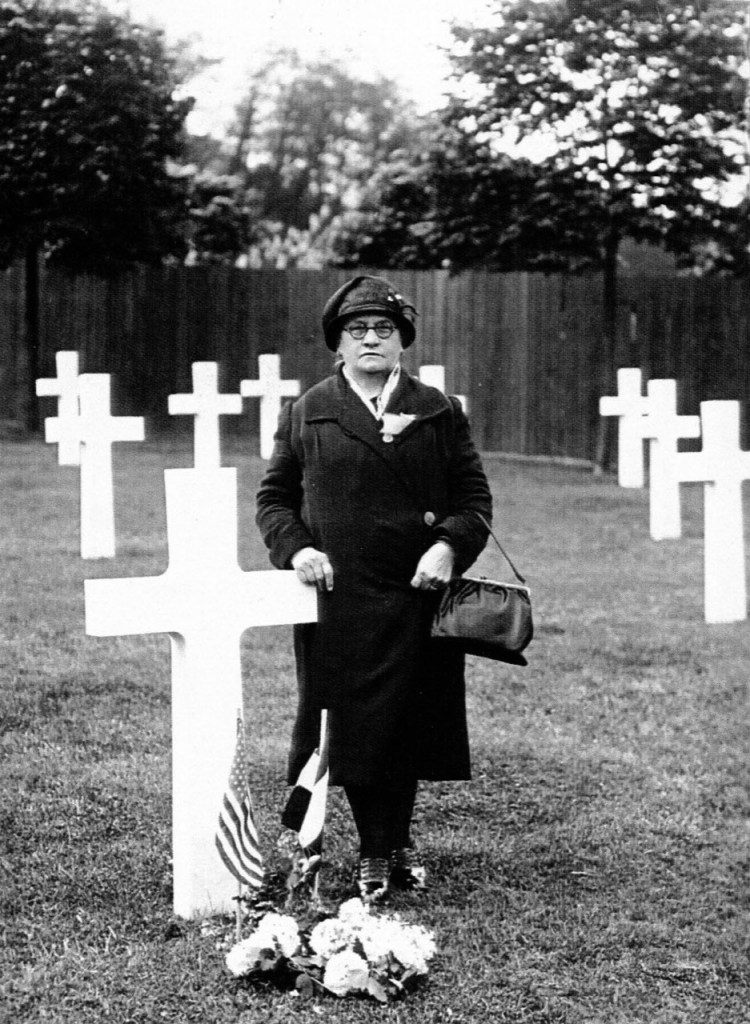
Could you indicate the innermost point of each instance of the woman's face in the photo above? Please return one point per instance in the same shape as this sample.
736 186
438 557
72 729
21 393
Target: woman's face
370 358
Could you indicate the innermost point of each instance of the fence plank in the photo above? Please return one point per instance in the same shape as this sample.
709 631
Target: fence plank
523 348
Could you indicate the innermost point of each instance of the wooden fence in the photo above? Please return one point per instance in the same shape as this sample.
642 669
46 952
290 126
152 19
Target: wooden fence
523 348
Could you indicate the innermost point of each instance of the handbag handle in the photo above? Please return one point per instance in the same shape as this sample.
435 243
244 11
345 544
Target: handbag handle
505 554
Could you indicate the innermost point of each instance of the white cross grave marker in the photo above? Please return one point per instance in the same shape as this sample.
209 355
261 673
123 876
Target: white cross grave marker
721 466
434 375
206 404
630 406
662 427
205 602
64 387
97 431
270 388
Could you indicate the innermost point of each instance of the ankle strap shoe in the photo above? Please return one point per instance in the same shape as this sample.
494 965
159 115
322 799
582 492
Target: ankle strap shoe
372 879
406 870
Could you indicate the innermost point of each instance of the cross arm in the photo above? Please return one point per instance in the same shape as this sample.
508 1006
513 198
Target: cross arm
55 431
275 597
656 427
126 607
612 405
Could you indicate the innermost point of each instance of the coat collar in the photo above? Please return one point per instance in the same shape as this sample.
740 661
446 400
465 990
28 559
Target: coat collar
333 399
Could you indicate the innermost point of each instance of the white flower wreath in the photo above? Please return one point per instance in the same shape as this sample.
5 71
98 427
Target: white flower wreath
355 952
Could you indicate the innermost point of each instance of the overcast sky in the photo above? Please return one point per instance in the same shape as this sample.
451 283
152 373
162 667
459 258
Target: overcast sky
400 39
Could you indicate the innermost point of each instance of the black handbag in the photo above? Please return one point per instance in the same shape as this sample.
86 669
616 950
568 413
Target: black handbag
484 617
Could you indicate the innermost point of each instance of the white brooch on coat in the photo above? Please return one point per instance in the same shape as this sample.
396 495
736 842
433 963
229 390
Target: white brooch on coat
394 423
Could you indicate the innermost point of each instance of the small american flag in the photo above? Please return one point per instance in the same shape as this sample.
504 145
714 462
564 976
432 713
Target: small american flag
305 811
237 836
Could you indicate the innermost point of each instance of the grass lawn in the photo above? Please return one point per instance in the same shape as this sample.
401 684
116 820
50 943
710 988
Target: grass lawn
594 870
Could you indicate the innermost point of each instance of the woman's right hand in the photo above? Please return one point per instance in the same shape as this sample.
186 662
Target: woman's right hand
312 566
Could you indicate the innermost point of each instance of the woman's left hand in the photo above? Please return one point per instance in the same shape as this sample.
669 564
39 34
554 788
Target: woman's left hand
435 567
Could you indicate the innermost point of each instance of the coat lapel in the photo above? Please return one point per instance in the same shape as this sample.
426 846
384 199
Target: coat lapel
409 397
340 403
355 421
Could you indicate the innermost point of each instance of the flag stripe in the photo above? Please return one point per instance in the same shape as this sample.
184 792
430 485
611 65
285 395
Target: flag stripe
245 844
312 826
305 810
296 808
253 879
250 872
243 822
236 836
244 867
323 757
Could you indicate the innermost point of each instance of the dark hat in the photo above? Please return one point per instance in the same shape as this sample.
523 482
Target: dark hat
368 295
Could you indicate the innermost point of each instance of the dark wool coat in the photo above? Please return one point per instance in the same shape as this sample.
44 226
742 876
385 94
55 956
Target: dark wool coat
396 706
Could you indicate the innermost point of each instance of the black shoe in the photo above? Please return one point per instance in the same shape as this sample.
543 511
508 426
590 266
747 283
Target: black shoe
372 879
406 871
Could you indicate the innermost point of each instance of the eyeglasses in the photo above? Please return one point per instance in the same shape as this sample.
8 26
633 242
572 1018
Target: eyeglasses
383 329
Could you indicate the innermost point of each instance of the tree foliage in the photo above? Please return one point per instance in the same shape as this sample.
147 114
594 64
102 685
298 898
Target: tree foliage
459 204
88 124
641 102
635 110
302 148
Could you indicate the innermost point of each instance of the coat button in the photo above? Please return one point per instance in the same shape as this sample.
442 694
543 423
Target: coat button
429 518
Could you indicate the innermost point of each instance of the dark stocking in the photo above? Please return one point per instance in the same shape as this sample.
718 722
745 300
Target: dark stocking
382 816
403 811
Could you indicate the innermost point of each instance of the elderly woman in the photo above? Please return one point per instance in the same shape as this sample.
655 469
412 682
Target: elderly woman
372 495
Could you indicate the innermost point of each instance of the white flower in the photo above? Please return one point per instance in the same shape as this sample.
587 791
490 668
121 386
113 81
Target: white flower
278 932
330 936
412 945
346 972
354 912
376 938
243 957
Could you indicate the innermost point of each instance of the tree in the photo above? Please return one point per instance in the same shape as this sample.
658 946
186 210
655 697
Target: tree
638 107
641 103
304 144
88 125
458 204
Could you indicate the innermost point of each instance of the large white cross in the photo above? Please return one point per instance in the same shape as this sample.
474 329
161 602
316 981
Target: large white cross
270 388
64 387
206 404
97 430
663 428
205 602
630 406
434 375
721 466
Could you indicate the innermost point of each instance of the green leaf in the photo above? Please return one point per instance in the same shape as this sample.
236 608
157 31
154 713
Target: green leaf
304 985
359 980
376 990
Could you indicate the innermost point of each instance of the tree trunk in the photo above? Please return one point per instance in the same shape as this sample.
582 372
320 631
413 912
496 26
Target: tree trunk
608 349
30 347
